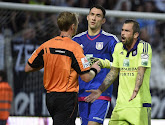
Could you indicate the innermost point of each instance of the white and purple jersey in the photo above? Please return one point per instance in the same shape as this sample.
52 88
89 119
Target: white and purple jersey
100 46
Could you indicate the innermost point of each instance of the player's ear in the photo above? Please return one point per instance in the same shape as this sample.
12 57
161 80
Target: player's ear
136 35
87 17
103 21
73 26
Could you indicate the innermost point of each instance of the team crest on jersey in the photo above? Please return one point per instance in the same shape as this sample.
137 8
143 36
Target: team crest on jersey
134 53
99 45
85 62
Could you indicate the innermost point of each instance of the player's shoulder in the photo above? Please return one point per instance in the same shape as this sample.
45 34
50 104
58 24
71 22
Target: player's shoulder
119 45
80 35
144 44
109 35
144 47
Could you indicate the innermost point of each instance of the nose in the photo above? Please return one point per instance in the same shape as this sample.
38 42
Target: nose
94 18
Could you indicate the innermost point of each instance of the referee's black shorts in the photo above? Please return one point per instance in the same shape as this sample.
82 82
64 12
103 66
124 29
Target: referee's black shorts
63 107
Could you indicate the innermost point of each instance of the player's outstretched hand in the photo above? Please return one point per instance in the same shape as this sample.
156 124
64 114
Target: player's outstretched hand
102 63
93 96
92 60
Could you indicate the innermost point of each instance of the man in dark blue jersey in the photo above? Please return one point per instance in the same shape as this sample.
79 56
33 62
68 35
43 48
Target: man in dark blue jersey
100 44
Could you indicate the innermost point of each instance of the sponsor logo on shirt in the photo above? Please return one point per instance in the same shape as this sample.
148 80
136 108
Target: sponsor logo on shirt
128 71
126 63
99 45
59 51
85 62
144 59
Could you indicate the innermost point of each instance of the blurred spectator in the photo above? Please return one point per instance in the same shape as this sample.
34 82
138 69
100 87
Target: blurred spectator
137 5
55 2
111 4
47 28
18 21
2 49
149 29
39 2
149 6
68 3
82 19
103 3
23 1
160 4
6 97
123 5
82 4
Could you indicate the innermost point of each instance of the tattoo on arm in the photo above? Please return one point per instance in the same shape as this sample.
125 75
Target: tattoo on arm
110 78
140 76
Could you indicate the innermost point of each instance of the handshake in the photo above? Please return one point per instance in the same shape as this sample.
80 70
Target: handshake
102 63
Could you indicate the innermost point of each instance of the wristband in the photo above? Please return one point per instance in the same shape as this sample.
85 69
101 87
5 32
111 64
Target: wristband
95 70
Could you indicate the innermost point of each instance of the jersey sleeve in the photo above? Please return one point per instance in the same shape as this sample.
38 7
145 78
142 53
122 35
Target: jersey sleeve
115 57
36 59
76 39
80 63
145 55
112 43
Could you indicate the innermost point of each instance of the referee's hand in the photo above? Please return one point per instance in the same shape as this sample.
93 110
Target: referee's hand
96 66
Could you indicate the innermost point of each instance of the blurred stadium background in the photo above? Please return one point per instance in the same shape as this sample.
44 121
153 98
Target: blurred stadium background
25 24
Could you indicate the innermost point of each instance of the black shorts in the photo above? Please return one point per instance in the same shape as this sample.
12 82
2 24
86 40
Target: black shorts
3 122
63 107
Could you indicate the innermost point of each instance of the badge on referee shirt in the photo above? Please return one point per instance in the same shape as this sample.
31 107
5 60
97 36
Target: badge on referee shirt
126 63
85 62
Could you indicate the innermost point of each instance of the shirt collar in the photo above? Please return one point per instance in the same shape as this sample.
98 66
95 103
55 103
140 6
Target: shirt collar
134 48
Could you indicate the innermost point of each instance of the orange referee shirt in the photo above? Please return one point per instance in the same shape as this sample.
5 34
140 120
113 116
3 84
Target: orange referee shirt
6 97
62 59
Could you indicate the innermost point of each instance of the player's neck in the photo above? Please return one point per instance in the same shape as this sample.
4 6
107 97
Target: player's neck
129 47
93 32
65 34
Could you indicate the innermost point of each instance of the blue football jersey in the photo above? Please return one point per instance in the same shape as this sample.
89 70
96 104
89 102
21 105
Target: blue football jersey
100 46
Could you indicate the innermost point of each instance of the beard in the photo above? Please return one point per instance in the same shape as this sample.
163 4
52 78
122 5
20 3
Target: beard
128 41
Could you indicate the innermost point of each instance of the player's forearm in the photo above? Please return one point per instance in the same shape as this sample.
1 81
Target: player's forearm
110 78
139 79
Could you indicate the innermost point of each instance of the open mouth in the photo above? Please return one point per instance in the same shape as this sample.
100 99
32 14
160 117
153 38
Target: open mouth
122 38
92 23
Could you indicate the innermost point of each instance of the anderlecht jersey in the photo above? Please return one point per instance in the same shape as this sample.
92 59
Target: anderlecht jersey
101 46
128 62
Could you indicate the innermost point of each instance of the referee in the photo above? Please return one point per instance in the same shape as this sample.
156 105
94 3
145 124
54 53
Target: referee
63 60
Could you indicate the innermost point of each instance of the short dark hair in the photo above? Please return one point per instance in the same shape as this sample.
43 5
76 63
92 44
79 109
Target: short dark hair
136 27
99 7
3 75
